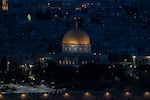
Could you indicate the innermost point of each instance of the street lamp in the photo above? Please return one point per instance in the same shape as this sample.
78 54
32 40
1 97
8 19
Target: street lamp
23 95
45 95
66 95
133 59
1 96
87 94
127 94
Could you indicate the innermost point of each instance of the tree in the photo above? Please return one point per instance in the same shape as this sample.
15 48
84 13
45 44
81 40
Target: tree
47 15
3 64
58 13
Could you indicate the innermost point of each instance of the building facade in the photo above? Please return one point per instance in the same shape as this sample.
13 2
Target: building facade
4 5
143 60
76 50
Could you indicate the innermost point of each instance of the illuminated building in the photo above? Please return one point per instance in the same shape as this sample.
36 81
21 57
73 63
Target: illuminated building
5 5
76 41
76 50
143 60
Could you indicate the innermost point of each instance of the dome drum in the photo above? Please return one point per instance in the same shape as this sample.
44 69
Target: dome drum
76 48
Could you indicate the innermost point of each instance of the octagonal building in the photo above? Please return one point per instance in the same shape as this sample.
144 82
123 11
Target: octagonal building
76 41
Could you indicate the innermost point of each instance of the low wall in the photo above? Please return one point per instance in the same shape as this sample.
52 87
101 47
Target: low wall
75 96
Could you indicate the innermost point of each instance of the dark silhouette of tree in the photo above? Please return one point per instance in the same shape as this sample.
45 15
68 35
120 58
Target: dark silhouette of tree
58 13
43 15
47 15
17 75
38 14
92 18
52 68
38 70
3 64
67 23
50 48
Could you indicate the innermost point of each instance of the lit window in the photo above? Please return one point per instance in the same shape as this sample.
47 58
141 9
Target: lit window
59 61
69 62
73 62
92 61
66 61
80 49
63 62
75 49
86 94
85 62
65 49
69 49
82 62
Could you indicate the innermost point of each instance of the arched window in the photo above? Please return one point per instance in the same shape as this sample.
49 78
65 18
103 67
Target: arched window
60 62
83 63
73 62
80 49
75 49
66 61
69 61
69 49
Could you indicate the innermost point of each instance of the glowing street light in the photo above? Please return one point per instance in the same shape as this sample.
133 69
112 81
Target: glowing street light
45 95
66 94
23 95
107 94
134 57
86 94
147 94
1 96
127 94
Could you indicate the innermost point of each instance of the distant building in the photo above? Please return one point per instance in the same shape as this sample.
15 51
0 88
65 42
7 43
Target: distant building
143 5
129 3
76 50
143 60
4 5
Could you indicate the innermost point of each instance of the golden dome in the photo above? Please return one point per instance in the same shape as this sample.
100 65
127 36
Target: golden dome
76 37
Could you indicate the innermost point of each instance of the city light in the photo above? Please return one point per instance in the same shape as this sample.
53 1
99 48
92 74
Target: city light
23 95
87 94
29 17
147 94
48 4
4 5
134 61
1 96
40 58
45 95
130 66
127 94
107 94
66 94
